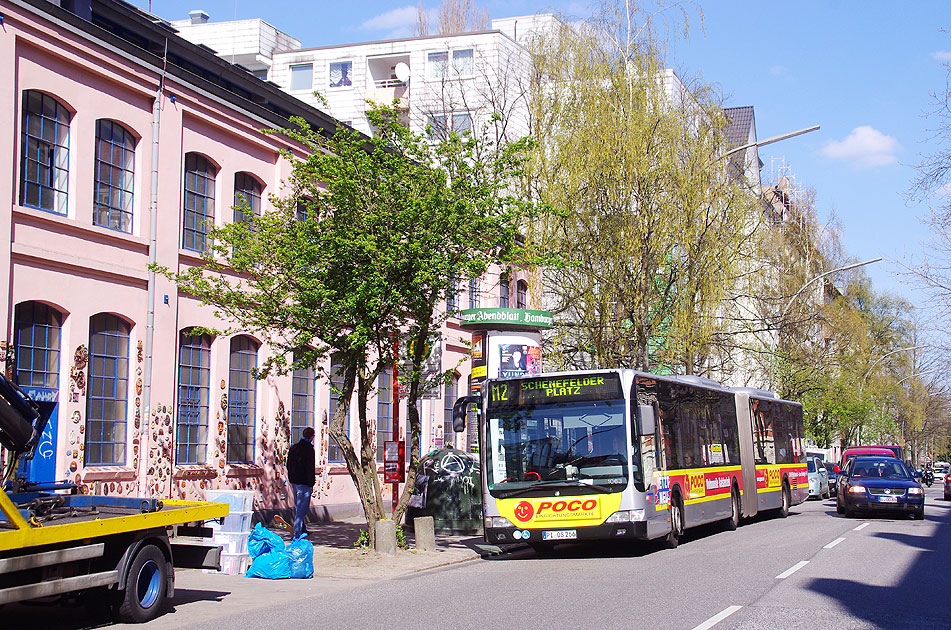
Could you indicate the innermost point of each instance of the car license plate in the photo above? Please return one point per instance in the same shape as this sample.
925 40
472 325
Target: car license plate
564 534
888 499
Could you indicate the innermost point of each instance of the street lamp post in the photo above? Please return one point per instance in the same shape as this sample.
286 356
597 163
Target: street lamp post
886 355
764 142
782 315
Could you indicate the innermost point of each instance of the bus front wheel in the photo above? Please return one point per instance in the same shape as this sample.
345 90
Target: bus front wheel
676 522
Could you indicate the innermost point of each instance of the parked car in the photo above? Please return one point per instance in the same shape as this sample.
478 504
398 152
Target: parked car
940 472
894 448
879 484
818 479
833 475
947 488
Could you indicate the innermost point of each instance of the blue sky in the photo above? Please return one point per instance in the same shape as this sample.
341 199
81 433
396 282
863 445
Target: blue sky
863 71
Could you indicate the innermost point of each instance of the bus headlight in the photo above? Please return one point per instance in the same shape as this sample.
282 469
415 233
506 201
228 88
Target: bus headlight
499 521
626 516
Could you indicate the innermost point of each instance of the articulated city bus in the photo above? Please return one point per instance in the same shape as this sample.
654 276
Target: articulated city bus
615 454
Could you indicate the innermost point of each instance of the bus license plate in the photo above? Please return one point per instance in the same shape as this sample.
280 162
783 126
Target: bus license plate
888 499
565 534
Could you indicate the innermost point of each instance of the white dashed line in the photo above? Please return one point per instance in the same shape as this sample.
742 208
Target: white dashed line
717 618
785 574
860 527
833 543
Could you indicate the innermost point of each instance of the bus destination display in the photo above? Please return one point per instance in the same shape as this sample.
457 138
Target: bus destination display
542 391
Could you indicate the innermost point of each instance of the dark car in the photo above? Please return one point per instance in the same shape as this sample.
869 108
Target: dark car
879 484
833 476
947 488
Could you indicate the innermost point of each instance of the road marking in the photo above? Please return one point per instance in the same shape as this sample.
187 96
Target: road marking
717 618
785 574
833 543
860 527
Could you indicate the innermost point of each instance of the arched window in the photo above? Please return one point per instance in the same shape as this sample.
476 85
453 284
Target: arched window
241 400
302 401
384 410
247 196
504 290
473 293
521 295
107 404
199 202
336 379
37 337
194 386
115 157
44 167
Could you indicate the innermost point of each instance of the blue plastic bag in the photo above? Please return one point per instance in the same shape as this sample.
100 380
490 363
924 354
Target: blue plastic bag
301 554
272 565
261 540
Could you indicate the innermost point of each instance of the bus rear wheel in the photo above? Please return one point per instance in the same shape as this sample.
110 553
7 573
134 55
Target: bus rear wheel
733 522
676 523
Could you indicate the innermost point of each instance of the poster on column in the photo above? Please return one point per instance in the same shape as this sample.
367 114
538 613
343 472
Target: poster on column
518 359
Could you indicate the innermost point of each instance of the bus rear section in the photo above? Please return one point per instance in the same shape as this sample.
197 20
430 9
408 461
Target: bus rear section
620 454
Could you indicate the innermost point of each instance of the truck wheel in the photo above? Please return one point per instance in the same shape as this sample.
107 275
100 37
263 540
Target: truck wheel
144 596
676 523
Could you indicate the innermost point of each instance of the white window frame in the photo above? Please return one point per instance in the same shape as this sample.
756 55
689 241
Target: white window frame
290 82
450 68
350 76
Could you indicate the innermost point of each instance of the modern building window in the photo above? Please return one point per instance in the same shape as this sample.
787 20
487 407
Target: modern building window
341 74
199 201
37 337
334 454
462 64
438 128
107 403
504 288
452 393
44 167
194 383
247 197
473 293
384 410
242 397
302 401
302 77
521 294
115 157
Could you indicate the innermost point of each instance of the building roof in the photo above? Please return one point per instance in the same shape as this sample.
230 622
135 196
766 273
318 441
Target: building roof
741 122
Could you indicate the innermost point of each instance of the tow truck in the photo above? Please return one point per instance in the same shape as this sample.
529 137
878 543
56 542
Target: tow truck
116 554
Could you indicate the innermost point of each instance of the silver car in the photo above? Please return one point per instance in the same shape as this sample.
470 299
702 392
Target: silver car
818 479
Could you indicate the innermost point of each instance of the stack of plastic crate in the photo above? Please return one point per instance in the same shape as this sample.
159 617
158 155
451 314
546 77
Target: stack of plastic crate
232 534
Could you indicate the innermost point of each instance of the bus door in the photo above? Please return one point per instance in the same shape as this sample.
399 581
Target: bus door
744 422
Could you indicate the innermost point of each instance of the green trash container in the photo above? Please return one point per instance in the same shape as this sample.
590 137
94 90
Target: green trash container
448 488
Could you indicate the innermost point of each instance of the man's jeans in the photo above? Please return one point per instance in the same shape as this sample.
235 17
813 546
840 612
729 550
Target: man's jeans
301 506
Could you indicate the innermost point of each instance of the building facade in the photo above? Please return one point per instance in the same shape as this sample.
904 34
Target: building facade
124 140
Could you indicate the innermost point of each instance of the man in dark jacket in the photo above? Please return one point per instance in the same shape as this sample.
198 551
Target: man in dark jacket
300 474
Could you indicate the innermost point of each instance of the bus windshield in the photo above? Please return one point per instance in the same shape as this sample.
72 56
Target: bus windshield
568 443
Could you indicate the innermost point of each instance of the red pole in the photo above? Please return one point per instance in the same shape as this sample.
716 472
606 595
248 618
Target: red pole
396 415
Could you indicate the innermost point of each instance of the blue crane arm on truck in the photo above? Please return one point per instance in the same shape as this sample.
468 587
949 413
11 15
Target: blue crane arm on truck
114 551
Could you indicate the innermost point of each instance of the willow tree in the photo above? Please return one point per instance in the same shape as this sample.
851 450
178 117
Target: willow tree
357 257
651 220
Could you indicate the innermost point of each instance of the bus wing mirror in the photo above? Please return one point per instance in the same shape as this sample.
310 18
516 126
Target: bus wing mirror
645 420
459 411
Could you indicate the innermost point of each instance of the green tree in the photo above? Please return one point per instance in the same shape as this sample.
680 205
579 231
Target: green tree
651 222
356 258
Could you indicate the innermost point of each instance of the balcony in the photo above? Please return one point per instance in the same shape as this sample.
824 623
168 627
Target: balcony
385 91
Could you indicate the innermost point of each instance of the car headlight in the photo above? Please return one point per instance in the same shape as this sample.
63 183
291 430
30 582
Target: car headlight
914 491
626 516
857 489
499 521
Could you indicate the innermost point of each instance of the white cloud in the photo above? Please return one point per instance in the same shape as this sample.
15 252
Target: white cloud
394 23
865 147
778 71
944 191
941 55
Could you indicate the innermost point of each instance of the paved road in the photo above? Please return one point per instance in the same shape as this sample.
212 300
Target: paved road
813 569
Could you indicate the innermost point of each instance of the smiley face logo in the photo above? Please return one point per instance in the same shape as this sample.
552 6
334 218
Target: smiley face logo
524 511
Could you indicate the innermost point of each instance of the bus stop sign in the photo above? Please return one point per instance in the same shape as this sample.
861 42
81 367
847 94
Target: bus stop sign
394 456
